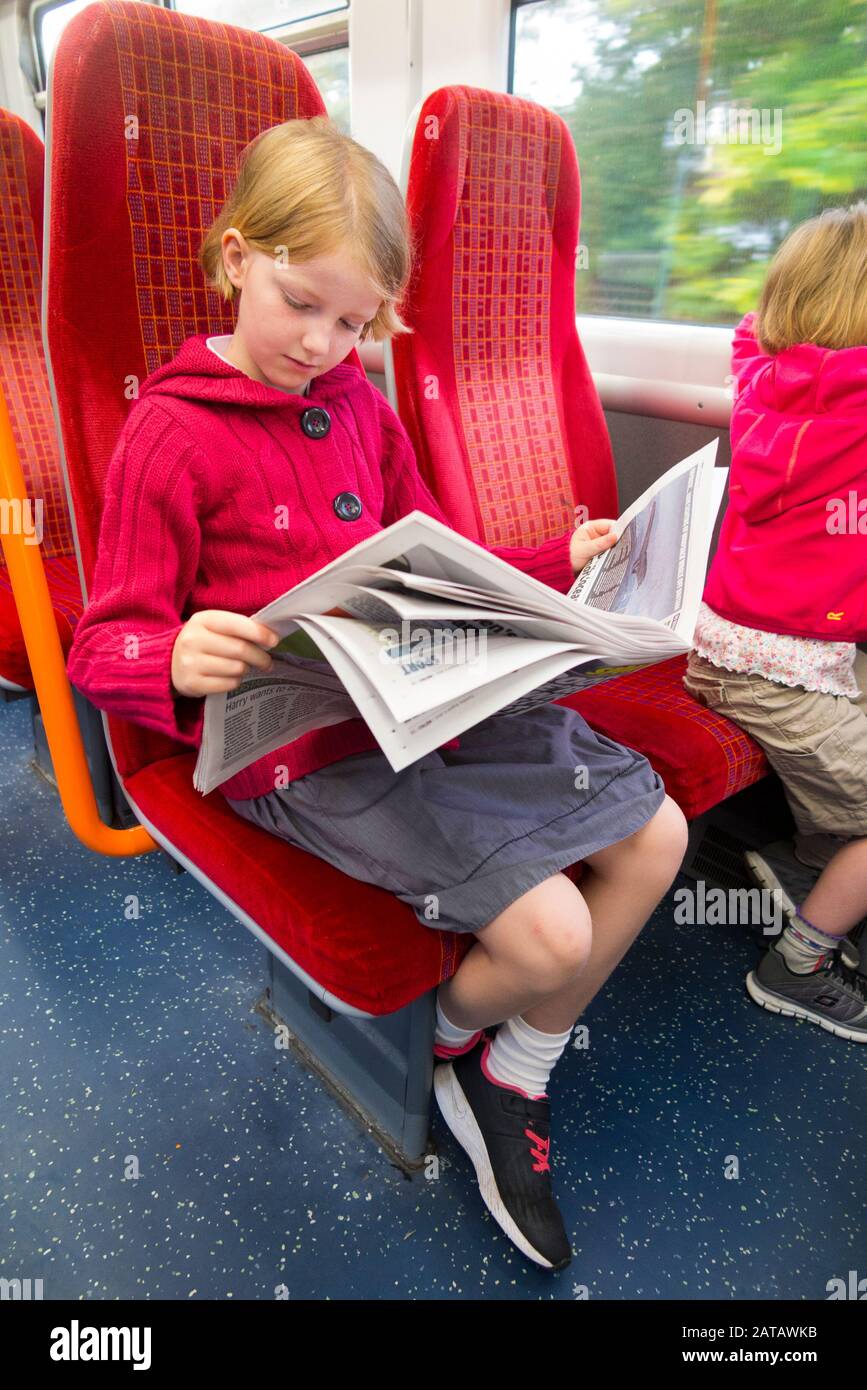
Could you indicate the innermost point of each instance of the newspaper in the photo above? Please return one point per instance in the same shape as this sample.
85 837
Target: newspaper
424 633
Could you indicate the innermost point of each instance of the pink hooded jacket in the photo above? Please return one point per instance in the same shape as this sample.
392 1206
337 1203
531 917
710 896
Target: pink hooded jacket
205 457
792 555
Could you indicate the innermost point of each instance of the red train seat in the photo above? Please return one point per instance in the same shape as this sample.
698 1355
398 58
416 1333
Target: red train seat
149 111
496 394
24 383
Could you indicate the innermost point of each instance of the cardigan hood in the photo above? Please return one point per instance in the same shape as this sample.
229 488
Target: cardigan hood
197 373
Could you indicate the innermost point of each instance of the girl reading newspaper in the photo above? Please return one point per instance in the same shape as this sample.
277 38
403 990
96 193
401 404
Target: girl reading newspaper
785 604
312 247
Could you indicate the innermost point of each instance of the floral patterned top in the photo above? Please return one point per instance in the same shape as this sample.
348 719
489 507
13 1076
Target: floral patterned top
806 661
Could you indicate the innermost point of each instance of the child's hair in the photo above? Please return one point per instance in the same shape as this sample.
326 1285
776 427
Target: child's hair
816 289
305 189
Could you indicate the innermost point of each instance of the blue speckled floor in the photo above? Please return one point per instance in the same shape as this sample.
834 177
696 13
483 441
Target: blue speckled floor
124 1037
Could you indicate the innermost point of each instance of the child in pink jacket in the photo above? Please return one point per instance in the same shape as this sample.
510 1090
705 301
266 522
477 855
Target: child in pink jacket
786 601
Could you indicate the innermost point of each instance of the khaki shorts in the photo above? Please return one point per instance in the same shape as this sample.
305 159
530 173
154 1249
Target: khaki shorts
817 744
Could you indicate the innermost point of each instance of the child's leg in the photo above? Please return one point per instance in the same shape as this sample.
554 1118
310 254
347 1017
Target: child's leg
549 952
817 744
839 899
836 903
521 956
623 886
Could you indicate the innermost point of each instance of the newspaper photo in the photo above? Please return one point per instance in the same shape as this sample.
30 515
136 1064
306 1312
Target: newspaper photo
423 633
656 569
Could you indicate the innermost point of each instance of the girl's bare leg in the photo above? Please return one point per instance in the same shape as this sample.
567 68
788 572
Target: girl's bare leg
549 952
623 886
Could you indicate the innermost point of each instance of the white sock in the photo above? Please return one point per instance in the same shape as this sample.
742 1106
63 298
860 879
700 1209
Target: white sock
805 947
522 1056
447 1033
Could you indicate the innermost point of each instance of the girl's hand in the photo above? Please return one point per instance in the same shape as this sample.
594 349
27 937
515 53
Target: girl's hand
214 651
588 540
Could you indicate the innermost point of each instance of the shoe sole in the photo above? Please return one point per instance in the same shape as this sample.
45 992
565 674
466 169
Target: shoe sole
458 1115
766 878
779 1005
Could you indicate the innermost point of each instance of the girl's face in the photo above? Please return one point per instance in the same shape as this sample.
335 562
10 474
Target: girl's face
294 321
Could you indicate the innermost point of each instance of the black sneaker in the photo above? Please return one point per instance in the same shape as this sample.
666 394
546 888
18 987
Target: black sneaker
507 1138
777 868
835 997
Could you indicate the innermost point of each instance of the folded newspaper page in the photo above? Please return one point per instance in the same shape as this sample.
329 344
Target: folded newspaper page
424 633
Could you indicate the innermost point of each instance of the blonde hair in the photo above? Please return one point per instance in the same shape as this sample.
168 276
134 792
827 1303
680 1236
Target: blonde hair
305 189
816 289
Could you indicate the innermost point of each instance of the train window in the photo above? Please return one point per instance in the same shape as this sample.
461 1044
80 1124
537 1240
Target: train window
330 71
259 14
314 28
706 130
47 23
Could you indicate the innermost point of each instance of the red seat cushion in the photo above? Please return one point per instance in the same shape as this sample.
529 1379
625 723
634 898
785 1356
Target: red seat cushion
61 571
358 941
701 757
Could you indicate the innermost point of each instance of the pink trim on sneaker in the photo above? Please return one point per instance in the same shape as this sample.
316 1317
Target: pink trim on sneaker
505 1084
440 1049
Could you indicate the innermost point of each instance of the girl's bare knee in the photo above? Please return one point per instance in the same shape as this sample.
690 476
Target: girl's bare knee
566 944
559 934
546 935
666 833
655 851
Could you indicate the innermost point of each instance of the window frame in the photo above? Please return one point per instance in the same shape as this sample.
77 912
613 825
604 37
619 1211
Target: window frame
35 12
666 368
319 33
321 22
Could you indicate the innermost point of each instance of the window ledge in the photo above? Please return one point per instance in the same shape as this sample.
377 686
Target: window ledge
674 371
670 371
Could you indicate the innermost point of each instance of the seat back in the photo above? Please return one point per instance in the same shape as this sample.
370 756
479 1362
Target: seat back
23 376
493 385
149 111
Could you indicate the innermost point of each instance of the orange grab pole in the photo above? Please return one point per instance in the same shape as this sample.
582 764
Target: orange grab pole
47 663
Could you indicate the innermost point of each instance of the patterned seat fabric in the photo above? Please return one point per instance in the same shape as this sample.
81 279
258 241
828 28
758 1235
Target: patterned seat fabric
64 586
701 757
148 114
24 382
496 394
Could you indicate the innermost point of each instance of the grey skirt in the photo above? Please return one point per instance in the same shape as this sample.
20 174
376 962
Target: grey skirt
462 833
